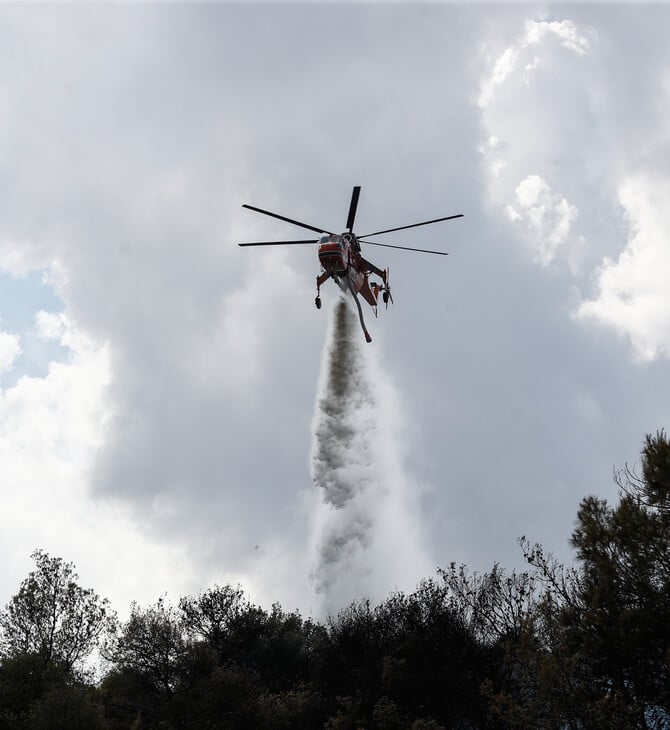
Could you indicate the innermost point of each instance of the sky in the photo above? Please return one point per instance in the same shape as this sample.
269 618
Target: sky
162 389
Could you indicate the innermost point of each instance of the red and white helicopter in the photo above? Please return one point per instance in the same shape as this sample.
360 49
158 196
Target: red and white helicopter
340 257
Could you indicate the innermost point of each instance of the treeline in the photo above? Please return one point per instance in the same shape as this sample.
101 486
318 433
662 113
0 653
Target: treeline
579 647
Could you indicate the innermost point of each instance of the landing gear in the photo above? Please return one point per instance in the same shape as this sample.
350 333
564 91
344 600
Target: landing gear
385 297
320 280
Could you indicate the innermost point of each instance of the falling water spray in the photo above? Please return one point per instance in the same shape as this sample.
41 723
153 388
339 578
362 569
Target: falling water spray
367 537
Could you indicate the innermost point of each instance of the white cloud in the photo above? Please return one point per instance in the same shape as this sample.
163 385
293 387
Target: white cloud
51 325
633 291
566 30
494 155
524 96
548 217
503 66
578 141
535 32
51 429
20 257
10 349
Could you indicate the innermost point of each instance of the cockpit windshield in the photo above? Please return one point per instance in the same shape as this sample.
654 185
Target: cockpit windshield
331 238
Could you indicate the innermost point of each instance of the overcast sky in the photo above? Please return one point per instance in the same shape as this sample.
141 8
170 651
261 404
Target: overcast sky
158 384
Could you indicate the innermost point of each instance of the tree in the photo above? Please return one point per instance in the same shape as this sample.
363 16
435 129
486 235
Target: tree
153 645
39 696
594 650
620 622
24 680
68 706
53 617
154 670
277 646
495 606
410 658
209 616
501 610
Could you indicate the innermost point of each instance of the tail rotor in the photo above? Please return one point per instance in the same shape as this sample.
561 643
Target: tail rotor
386 290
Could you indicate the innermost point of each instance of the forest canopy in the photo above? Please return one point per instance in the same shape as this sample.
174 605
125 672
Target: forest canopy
553 646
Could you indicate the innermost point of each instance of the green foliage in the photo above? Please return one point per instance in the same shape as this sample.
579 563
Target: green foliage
47 632
35 694
654 487
594 650
428 724
413 653
619 624
66 707
152 644
551 647
24 679
295 709
494 606
53 617
210 616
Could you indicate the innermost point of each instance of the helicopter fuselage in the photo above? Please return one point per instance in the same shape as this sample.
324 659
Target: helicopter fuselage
334 254
340 257
341 260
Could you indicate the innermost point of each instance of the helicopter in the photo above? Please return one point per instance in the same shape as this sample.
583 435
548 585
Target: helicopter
341 259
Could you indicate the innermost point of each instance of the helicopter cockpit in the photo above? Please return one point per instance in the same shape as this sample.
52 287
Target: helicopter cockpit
332 253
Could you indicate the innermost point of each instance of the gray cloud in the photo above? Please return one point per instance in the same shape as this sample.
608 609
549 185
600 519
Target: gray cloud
133 135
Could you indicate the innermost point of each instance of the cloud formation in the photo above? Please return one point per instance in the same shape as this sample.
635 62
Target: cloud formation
522 54
174 373
525 175
10 349
577 144
51 429
547 217
633 292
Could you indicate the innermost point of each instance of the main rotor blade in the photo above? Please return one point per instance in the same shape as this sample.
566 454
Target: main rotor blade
277 243
413 225
352 207
404 248
288 220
